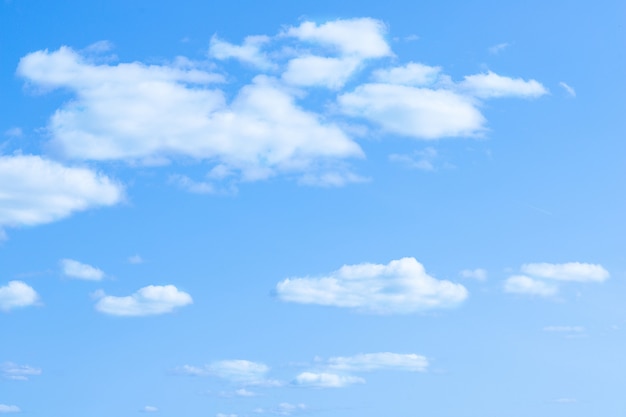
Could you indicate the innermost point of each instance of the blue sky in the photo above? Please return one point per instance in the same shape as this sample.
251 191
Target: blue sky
312 208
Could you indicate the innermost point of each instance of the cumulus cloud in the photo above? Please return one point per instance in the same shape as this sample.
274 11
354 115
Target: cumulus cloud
9 409
34 190
361 37
326 380
312 70
400 287
478 274
492 85
571 271
10 370
379 361
150 300
421 113
520 284
17 294
249 52
75 269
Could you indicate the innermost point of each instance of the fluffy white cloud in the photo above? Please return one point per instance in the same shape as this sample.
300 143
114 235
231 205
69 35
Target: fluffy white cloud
34 190
520 284
402 286
362 37
571 271
379 361
10 370
152 113
326 380
492 85
17 294
249 51
9 409
75 269
478 273
150 300
312 70
421 113
413 73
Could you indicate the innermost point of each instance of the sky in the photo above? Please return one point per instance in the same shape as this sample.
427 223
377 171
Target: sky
239 209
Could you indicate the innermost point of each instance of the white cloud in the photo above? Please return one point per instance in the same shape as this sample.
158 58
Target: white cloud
75 269
150 300
415 112
492 85
34 190
9 409
150 409
379 361
196 187
10 370
413 73
478 273
242 392
496 49
326 380
571 271
249 51
362 37
569 90
141 113
238 370
17 294
312 70
400 287
520 284
423 160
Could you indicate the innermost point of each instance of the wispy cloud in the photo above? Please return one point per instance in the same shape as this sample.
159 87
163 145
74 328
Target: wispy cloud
496 49
10 370
520 284
568 89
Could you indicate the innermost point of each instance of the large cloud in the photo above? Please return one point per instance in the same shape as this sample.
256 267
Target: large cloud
402 286
147 301
34 190
17 294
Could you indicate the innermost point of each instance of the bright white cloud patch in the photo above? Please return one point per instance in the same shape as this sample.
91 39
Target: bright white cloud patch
322 71
400 287
75 269
10 370
17 294
150 300
326 380
249 52
34 190
5 409
492 85
571 271
379 361
363 37
415 112
520 284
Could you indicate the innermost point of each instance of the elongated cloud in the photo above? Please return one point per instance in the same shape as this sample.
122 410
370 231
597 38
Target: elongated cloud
5 409
572 271
520 284
148 301
379 361
10 370
492 85
400 287
34 190
326 380
17 294
75 269
240 371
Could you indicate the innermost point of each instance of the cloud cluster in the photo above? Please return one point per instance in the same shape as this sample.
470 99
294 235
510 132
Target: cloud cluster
400 287
17 294
538 276
147 301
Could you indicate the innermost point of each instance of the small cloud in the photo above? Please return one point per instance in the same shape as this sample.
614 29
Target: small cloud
379 361
326 380
520 284
569 90
571 271
282 409
135 259
496 49
75 269
196 187
149 409
238 370
9 409
492 85
478 274
148 301
14 132
10 370
99 47
245 393
17 294
411 38
423 160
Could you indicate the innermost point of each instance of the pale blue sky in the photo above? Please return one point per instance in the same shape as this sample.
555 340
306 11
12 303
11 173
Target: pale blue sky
312 208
